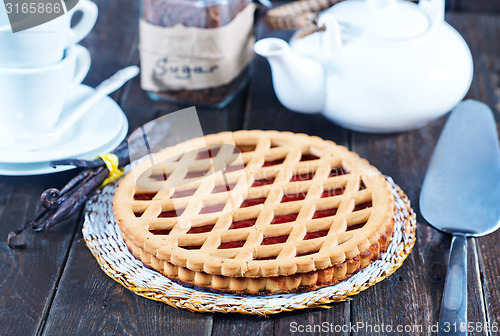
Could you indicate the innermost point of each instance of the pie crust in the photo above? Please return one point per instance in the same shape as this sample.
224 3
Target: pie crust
290 213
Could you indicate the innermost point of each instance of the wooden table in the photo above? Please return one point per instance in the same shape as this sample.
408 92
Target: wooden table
55 286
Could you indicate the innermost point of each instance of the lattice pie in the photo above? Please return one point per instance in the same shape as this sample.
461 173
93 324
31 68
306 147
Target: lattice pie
255 212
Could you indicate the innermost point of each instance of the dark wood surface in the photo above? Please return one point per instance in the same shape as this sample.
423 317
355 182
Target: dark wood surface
476 5
55 286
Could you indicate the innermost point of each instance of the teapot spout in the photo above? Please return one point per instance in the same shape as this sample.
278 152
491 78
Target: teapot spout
299 82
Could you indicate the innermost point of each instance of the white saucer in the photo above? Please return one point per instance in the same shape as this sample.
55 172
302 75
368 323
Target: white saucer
39 168
103 123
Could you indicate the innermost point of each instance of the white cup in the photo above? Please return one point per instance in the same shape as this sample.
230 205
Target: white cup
45 44
31 100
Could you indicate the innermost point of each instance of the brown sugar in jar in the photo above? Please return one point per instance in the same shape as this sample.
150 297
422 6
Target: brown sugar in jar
196 51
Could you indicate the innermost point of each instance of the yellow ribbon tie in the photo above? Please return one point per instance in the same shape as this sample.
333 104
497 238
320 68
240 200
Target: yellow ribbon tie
111 161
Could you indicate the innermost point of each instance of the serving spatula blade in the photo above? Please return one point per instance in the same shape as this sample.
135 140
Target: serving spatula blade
461 195
461 190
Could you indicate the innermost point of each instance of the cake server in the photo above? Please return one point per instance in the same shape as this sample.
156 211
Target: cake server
461 196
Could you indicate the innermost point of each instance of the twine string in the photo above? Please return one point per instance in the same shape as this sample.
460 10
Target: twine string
112 163
302 14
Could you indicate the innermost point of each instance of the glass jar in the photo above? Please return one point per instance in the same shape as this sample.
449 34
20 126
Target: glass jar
196 51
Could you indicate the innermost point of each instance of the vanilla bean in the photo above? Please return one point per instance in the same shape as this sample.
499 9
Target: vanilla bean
78 198
39 216
88 164
31 223
39 224
74 181
50 198
13 234
59 205
77 163
121 152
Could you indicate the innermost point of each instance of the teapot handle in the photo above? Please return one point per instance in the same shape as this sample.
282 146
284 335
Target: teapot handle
380 3
331 38
433 8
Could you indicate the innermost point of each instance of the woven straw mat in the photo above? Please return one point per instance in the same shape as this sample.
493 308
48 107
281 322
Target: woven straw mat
103 237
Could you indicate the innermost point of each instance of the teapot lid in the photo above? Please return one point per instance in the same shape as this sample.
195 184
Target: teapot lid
386 20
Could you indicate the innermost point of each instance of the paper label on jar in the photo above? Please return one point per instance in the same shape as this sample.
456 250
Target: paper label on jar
180 57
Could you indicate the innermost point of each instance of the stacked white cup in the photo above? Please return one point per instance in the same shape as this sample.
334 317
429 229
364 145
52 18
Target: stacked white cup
38 69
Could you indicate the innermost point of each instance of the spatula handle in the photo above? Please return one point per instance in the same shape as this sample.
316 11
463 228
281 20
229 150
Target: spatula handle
453 318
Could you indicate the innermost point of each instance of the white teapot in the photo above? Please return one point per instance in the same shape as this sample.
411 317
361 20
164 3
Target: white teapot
380 66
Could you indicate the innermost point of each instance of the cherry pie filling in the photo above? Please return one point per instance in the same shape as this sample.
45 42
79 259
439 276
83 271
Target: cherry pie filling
251 202
223 188
362 206
265 258
324 213
171 213
316 234
195 174
144 196
191 247
274 240
210 153
212 208
234 167
162 232
232 244
355 226
302 177
201 229
293 197
332 192
264 181
284 219
338 172
183 193
244 149
305 253
309 157
274 162
242 224
162 177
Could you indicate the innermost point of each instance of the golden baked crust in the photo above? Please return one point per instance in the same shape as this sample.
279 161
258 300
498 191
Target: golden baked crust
296 283
287 206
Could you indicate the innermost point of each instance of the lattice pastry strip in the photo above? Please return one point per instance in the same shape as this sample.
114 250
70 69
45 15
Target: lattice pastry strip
286 203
